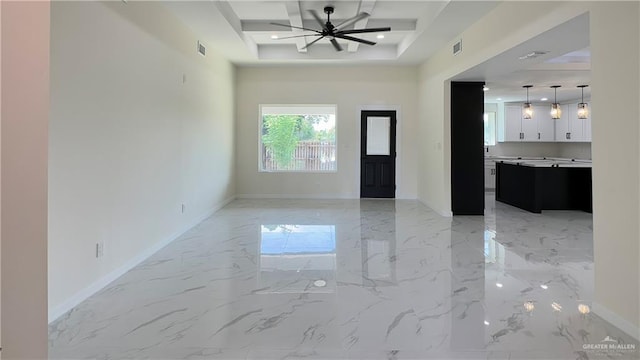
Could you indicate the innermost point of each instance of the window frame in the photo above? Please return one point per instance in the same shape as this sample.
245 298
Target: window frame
495 127
261 146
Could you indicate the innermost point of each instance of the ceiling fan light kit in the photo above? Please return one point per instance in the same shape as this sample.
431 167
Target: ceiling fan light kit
333 32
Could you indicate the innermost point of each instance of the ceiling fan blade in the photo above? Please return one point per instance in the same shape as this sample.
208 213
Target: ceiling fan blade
296 27
313 42
346 37
297 36
353 20
362 31
318 19
335 44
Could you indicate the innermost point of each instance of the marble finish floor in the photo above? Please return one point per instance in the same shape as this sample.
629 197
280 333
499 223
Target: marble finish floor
353 279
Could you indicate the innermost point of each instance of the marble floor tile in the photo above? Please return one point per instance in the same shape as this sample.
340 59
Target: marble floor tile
353 279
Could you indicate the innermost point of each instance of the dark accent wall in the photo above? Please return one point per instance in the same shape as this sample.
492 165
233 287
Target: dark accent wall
467 144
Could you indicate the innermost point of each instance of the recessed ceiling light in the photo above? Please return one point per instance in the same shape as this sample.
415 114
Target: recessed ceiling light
319 283
274 37
499 99
544 286
486 322
485 88
380 36
544 99
499 285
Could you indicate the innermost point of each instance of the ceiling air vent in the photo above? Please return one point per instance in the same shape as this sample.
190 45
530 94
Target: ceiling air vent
532 55
201 49
457 47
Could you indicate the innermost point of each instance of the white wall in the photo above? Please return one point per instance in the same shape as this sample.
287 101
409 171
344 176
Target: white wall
548 149
616 172
129 141
347 87
25 112
615 156
575 150
0 174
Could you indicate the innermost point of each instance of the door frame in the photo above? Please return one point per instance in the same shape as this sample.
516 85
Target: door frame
358 120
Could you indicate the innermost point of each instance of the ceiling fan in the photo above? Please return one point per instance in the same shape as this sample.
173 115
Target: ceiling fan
332 32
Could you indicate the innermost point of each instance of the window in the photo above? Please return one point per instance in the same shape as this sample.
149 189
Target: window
489 128
298 138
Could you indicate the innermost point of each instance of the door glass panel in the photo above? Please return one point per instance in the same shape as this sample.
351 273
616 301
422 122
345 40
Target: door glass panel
378 135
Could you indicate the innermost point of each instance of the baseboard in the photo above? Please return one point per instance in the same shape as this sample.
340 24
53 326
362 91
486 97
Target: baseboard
617 320
299 196
441 213
98 285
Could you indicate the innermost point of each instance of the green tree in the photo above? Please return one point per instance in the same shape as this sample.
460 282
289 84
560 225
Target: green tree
305 128
326 135
280 137
281 134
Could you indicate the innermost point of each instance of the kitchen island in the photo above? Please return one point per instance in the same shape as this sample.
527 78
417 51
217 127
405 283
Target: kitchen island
544 184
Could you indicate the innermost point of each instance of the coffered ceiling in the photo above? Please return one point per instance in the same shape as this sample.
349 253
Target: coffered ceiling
242 30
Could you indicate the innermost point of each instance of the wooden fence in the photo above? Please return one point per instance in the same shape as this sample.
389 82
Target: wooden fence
307 156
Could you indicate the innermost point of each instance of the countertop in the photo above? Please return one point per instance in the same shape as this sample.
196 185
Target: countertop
541 161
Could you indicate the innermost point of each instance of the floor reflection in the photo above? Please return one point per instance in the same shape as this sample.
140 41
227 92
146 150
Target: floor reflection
297 259
353 279
378 243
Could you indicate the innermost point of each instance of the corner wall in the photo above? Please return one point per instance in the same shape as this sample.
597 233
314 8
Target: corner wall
616 173
25 115
350 88
140 124
615 157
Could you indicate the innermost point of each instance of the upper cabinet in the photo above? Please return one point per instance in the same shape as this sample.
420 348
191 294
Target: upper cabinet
542 128
539 128
546 125
571 129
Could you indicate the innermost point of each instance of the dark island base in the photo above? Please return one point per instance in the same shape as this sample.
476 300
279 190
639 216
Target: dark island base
544 188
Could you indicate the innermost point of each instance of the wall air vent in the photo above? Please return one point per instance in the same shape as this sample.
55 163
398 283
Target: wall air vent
457 47
201 49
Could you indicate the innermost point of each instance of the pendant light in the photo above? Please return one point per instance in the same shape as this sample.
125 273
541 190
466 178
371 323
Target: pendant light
556 112
527 109
583 108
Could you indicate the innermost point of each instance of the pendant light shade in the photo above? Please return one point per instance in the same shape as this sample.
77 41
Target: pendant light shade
527 109
556 111
583 108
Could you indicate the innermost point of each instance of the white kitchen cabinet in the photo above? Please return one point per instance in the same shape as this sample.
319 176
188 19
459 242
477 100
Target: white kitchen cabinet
512 123
571 129
539 128
546 125
530 128
489 174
